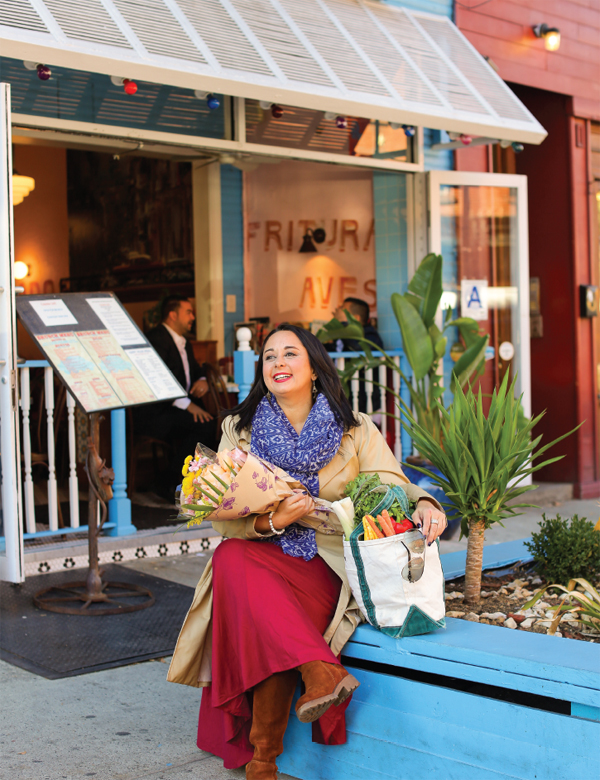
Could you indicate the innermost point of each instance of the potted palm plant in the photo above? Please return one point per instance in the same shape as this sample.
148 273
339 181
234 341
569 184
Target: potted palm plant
423 342
424 346
483 461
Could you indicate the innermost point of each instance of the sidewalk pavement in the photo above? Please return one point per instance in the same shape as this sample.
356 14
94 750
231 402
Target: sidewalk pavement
129 723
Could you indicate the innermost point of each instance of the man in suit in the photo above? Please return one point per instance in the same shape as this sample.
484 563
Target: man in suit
183 422
359 309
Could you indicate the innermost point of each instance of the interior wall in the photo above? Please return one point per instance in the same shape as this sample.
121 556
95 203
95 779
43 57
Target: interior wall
280 202
41 226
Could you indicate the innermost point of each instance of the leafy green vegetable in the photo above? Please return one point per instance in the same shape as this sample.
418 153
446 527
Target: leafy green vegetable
359 491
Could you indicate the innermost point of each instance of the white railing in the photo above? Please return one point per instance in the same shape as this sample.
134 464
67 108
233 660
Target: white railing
50 455
244 361
375 379
119 507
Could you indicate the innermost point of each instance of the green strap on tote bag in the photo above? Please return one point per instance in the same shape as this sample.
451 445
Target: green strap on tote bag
416 621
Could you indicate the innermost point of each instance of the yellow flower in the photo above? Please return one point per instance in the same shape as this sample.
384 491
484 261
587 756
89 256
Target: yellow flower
186 464
187 485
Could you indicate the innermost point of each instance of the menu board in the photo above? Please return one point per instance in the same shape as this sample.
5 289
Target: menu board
97 350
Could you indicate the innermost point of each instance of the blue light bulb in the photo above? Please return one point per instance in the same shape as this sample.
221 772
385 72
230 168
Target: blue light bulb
409 130
213 102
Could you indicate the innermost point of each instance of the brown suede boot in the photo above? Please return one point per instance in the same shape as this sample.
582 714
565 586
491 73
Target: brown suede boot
326 684
270 712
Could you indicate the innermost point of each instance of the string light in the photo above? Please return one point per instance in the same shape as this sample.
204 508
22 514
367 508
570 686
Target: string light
465 139
211 100
341 122
43 71
276 111
517 147
129 86
409 131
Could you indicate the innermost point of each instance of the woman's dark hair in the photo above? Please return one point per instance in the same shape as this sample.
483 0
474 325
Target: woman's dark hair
327 381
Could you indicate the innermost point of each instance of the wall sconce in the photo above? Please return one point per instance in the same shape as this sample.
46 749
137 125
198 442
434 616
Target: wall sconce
551 36
20 270
318 235
22 186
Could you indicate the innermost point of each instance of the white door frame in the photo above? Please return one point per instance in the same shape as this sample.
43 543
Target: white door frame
520 270
12 559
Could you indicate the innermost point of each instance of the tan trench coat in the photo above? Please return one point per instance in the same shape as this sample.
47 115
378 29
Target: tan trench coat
363 449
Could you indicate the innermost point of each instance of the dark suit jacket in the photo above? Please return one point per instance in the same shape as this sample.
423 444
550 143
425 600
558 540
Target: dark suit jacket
163 343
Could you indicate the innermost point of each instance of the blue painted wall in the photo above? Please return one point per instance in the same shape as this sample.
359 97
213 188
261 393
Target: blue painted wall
92 97
233 248
442 7
391 249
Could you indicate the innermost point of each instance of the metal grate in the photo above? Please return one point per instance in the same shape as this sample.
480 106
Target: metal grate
352 57
222 35
280 42
95 26
157 29
22 15
485 81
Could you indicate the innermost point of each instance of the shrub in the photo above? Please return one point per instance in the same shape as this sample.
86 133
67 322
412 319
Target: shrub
563 551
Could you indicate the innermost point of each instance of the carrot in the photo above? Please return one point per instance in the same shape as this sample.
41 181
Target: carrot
371 521
385 523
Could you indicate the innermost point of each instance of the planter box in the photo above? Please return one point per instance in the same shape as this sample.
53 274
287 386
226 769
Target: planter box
469 703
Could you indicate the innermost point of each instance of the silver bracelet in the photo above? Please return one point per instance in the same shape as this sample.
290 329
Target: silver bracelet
272 527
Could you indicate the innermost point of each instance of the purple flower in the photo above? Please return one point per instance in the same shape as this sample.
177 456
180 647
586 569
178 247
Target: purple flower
245 511
255 475
263 484
234 486
227 504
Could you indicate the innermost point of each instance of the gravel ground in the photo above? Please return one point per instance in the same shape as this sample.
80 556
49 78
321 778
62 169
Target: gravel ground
502 604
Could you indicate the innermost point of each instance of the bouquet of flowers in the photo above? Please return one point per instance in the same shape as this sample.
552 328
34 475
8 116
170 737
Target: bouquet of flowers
233 484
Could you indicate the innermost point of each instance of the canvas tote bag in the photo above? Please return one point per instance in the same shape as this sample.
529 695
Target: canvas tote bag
383 576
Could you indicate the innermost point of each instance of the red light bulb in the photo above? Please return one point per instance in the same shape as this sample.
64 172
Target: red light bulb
276 111
130 86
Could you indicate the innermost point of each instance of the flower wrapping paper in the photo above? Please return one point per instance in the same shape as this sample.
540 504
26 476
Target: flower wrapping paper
259 487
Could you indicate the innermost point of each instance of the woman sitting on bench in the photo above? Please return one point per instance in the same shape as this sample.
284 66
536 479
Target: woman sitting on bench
276 600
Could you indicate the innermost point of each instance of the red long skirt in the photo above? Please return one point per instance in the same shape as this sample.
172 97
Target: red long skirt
269 615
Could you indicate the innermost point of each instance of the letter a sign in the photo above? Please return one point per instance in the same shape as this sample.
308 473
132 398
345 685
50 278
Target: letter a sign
473 298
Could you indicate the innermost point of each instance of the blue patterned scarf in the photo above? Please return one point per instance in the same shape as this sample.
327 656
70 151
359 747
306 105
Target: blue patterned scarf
301 455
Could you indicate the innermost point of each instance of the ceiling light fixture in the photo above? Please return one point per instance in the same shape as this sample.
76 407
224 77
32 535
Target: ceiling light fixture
21 186
20 270
551 36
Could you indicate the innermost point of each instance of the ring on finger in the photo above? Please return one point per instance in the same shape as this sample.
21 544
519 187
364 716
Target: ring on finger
434 522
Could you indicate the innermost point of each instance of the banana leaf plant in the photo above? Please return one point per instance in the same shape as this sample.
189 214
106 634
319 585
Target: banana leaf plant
423 342
483 461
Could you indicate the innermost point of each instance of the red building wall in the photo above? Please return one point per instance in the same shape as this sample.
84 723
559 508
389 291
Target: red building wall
501 30
562 89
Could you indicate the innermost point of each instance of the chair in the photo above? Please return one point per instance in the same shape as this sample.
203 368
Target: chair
138 443
217 398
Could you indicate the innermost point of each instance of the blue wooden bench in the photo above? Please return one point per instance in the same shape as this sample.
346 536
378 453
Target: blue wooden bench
471 702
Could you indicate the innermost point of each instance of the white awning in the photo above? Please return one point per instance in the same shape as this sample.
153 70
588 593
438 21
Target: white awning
345 56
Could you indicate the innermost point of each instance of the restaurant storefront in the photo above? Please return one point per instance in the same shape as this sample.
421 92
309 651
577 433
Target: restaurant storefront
236 145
